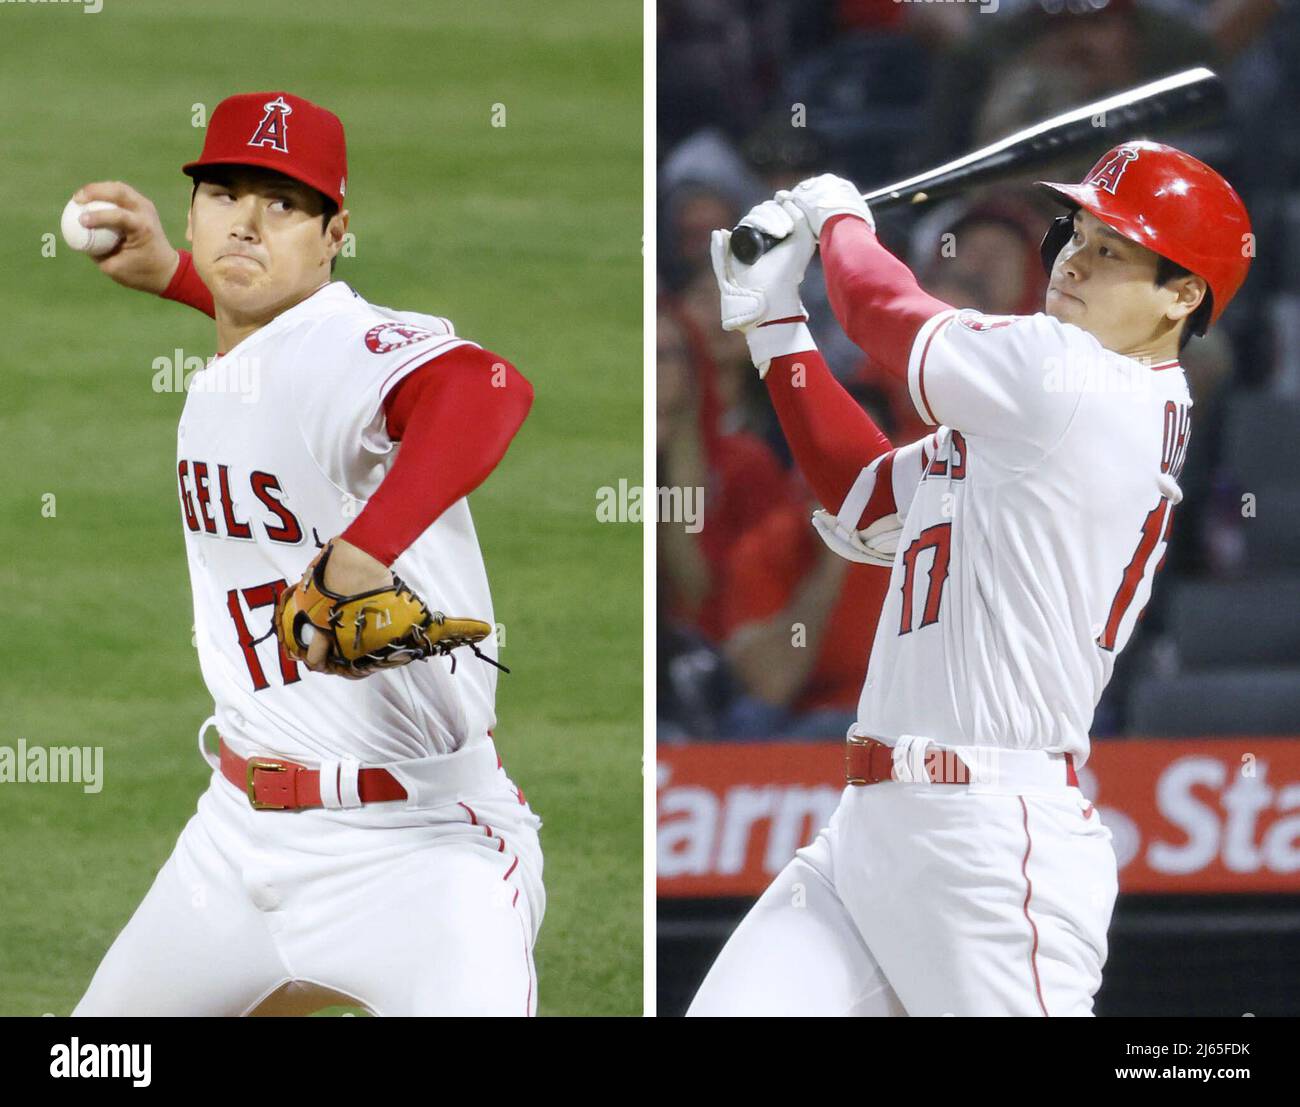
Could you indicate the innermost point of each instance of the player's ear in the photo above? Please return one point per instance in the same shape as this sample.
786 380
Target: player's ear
189 222
335 231
1190 291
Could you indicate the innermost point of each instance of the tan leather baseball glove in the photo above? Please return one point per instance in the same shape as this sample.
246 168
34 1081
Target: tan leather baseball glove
379 629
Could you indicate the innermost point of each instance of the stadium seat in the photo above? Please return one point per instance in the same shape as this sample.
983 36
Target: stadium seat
1229 701
1273 534
1237 623
1261 427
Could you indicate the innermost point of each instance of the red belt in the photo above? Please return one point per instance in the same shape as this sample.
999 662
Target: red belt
870 761
273 784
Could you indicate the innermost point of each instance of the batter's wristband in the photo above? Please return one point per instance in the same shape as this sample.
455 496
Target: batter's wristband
187 287
772 340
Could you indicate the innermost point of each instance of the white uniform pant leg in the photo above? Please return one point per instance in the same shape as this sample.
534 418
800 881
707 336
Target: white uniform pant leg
195 945
797 952
977 903
416 925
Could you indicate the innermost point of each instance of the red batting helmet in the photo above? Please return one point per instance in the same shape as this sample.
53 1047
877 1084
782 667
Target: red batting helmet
279 131
1170 203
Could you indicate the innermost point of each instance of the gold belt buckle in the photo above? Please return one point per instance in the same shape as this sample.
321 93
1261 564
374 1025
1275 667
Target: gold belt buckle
255 763
852 740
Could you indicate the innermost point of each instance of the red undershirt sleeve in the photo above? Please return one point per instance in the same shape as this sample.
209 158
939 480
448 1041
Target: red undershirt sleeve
831 437
187 287
874 295
455 417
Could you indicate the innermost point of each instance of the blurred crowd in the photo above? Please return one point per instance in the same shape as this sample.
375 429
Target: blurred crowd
763 632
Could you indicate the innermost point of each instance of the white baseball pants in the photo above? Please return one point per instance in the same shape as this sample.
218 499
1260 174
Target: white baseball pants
930 900
410 912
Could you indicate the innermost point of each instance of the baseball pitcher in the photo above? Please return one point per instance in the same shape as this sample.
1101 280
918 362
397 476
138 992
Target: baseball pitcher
359 840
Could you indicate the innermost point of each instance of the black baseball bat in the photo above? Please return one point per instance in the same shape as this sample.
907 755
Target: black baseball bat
1175 101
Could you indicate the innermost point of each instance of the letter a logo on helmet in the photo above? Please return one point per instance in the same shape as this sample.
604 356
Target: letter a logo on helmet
1107 174
273 129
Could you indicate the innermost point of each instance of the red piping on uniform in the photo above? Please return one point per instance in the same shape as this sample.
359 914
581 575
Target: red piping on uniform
1029 891
501 842
881 501
874 296
426 354
501 848
920 369
528 963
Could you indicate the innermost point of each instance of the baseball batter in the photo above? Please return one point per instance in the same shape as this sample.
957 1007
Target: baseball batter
359 840
964 872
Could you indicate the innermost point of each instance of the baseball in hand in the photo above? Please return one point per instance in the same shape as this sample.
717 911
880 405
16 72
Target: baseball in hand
95 241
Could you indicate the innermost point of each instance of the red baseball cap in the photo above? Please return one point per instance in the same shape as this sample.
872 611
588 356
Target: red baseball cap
279 131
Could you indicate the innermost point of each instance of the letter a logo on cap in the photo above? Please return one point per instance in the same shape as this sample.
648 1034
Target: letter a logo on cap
272 130
1107 176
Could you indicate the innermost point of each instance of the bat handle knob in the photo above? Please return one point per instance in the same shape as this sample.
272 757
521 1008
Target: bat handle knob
748 244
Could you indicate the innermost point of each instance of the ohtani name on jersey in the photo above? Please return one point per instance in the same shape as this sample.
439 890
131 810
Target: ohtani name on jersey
209 508
1156 527
1178 429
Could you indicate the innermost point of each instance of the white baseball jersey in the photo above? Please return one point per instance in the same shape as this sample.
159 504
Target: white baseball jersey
282 441
1034 522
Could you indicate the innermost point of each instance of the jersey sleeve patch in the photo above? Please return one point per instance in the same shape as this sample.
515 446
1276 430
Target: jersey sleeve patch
393 336
356 359
974 321
384 338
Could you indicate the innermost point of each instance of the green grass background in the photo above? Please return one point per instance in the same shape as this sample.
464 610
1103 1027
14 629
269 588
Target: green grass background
527 236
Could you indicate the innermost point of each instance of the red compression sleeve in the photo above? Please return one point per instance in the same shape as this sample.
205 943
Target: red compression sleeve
874 295
455 417
187 287
831 437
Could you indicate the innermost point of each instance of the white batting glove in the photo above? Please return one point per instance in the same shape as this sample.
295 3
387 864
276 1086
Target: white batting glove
819 198
762 300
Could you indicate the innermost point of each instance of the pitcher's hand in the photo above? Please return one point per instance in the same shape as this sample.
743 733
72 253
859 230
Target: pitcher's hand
144 259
